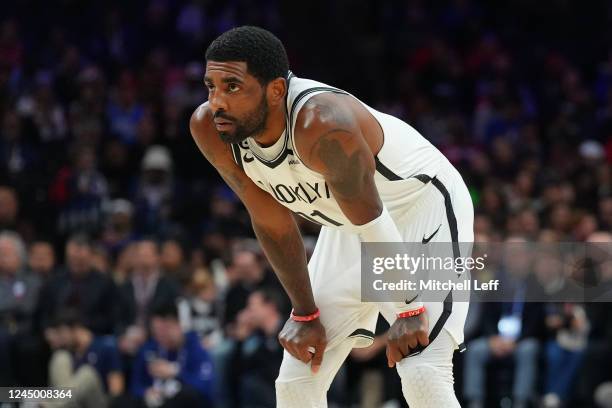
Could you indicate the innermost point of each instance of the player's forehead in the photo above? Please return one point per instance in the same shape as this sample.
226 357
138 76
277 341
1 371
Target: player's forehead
216 70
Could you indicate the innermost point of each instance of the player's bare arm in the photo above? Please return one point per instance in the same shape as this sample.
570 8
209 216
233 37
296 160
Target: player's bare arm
278 235
337 139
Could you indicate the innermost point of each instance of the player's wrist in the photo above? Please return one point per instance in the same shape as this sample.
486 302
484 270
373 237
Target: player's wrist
411 313
403 307
305 317
380 229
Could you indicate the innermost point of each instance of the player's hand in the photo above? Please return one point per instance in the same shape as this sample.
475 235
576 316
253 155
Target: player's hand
300 339
406 334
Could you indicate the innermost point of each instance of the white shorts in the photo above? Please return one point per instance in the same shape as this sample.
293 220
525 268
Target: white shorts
335 270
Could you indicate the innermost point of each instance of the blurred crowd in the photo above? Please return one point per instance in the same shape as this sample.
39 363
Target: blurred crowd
129 271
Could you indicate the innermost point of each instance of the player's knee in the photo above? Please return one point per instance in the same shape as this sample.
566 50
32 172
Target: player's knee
418 373
297 394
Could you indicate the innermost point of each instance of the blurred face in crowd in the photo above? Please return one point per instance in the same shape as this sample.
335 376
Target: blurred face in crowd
260 310
81 337
171 256
78 257
10 261
605 211
517 257
247 267
86 159
167 332
42 257
547 269
237 99
8 205
146 258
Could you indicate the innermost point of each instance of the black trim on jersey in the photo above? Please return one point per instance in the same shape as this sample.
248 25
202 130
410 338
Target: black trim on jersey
385 171
274 163
452 223
391 176
362 333
283 154
288 134
237 155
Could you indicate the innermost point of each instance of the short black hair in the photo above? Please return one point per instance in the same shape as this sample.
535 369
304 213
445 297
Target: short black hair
262 51
166 309
68 317
80 239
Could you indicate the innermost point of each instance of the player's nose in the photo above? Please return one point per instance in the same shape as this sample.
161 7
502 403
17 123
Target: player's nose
217 101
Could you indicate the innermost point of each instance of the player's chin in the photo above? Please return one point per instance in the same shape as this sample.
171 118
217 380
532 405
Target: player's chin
230 137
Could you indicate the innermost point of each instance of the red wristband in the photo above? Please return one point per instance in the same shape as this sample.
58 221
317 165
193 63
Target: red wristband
411 313
307 318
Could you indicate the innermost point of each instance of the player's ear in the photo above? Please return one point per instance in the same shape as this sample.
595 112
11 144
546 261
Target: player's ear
277 88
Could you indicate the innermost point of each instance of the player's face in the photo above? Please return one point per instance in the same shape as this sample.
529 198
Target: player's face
238 101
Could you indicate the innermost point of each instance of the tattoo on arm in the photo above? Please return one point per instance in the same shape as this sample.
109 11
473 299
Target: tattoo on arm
347 169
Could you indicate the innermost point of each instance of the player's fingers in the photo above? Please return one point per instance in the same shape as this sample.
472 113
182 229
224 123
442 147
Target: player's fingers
290 347
404 347
302 353
390 362
409 340
423 337
317 358
394 354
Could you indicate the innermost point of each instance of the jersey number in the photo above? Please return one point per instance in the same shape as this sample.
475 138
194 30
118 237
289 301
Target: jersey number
317 213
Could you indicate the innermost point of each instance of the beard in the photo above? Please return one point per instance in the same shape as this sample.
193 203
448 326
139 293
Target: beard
252 125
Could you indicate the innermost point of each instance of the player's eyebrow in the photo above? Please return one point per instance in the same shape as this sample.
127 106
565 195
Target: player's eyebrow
227 80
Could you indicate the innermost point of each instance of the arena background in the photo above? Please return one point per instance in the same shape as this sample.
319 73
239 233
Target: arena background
96 161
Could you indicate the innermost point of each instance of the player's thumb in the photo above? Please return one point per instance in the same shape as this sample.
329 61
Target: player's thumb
390 362
317 358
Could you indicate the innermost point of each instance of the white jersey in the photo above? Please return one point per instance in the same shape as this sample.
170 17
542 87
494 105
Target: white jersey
405 160
416 183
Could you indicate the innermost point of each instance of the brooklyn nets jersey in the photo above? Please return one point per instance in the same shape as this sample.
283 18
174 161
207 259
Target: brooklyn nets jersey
403 165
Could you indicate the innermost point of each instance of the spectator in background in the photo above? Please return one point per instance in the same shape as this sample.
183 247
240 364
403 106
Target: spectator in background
88 364
147 287
567 326
173 262
41 259
155 195
118 232
86 113
172 369
80 191
17 154
250 276
9 208
18 295
199 309
257 352
79 286
511 330
42 110
124 111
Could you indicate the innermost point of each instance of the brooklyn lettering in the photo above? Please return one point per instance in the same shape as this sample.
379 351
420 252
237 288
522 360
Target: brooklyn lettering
307 192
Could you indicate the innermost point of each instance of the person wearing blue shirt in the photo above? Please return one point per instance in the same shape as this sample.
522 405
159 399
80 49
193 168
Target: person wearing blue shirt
172 369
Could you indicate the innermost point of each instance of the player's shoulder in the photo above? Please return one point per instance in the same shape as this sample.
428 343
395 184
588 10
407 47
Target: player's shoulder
324 111
201 120
206 137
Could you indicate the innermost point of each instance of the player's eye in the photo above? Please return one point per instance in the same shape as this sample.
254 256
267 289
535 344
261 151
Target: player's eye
232 87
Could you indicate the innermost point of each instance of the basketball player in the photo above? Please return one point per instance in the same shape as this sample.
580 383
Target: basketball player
288 145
